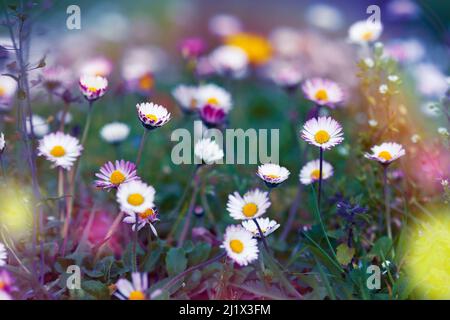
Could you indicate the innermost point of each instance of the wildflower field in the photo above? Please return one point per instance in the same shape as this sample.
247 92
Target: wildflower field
236 150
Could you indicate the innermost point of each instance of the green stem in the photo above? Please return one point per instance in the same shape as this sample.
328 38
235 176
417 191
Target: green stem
87 125
141 147
386 202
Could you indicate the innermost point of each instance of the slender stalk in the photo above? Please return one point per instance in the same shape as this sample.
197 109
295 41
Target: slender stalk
61 192
187 223
141 147
135 241
386 202
261 234
87 125
319 192
63 117
189 270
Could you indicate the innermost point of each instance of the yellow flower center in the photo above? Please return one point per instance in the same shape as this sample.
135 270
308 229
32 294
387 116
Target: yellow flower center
321 95
250 209
212 101
2 92
137 295
135 199
92 89
385 155
322 137
152 117
58 151
236 246
272 176
315 175
146 214
117 177
146 82
367 35
2 285
193 103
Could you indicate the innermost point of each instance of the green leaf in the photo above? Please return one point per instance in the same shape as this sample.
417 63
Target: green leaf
199 254
382 247
344 254
176 261
152 259
96 289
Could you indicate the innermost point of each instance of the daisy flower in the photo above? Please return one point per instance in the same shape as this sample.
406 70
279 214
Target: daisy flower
93 87
135 196
254 204
229 61
185 97
224 25
99 66
207 151
323 92
134 290
364 31
284 74
240 245
115 132
8 88
192 48
61 149
2 142
5 296
56 77
311 171
113 175
3 255
40 126
272 174
386 153
152 115
148 216
267 226
213 103
6 282
323 132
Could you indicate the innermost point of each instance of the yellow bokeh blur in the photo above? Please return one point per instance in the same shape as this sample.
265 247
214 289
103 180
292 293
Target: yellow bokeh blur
16 216
257 48
428 258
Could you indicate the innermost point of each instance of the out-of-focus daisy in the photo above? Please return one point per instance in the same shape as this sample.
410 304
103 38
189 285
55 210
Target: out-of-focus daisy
258 48
40 126
139 61
93 87
148 216
3 255
386 153
324 16
383 89
99 66
5 296
56 77
186 97
267 226
207 151
152 115
431 81
229 61
8 88
113 175
323 92
272 174
284 74
240 245
403 9
373 123
311 171
192 48
443 131
406 50
2 142
67 117
415 138
287 42
6 282
61 149
323 132
135 196
115 132
364 31
252 205
224 25
214 103
134 290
